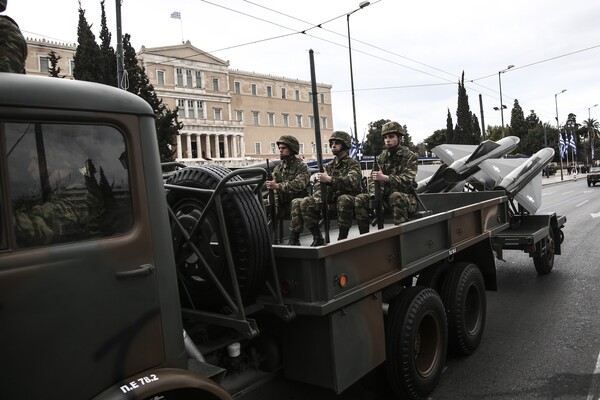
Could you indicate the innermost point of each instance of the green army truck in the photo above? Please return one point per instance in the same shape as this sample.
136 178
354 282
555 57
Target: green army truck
121 278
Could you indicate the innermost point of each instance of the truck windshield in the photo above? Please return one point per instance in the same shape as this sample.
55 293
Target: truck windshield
66 182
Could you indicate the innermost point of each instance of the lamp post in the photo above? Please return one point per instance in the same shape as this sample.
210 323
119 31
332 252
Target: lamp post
558 127
502 106
591 136
362 5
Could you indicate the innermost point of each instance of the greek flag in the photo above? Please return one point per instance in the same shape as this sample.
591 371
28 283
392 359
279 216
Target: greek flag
356 149
561 145
572 143
176 15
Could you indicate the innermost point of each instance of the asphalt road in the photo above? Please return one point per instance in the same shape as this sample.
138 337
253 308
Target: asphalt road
542 334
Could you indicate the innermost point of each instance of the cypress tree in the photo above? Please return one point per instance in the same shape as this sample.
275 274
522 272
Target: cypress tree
54 69
108 59
449 128
463 133
87 54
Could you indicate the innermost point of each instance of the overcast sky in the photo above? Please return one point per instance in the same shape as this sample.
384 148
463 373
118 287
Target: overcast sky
407 55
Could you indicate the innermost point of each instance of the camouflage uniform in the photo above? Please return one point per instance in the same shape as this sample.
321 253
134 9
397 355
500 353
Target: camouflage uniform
13 47
293 176
400 165
346 177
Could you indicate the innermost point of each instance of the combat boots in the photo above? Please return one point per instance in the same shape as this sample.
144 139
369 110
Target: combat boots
343 234
363 228
294 239
317 238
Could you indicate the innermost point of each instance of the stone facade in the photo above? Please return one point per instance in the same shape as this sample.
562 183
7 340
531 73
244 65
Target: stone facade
229 116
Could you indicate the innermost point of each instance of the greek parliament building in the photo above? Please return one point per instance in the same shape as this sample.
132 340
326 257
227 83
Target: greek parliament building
229 116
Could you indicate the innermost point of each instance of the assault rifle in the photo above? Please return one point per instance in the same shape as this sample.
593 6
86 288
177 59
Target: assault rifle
375 201
272 207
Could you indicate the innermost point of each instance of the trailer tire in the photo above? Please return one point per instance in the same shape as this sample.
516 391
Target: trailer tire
463 294
247 234
545 261
416 342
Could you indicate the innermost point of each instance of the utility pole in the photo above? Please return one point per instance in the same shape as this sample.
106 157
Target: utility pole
120 57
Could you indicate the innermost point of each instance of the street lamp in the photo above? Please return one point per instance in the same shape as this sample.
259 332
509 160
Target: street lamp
558 127
591 137
502 106
362 5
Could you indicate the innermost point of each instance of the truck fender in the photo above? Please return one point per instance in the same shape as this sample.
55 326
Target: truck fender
482 255
165 383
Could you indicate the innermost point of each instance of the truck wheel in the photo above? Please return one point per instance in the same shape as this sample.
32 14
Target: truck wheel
416 342
247 233
463 293
544 262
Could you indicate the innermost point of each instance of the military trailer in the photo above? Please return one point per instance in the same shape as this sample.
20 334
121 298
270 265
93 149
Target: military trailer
121 278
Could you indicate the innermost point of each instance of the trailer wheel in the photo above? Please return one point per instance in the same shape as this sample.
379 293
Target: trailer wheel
545 261
416 342
463 293
247 233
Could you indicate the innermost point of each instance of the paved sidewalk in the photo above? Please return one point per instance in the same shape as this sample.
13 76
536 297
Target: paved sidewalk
566 178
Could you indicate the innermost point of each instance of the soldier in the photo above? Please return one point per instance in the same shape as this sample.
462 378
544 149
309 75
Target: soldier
13 47
398 169
341 181
290 178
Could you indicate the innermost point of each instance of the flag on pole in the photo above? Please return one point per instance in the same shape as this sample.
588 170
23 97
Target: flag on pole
561 145
176 15
572 143
353 148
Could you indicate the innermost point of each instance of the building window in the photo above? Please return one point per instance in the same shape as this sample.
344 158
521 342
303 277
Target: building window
254 90
181 108
44 64
326 148
283 93
286 119
297 95
269 91
199 79
72 66
271 119
190 109
215 84
218 114
301 148
255 117
179 77
160 77
237 87
200 108
323 98
311 121
299 121
188 78
239 115
257 148
274 148
324 122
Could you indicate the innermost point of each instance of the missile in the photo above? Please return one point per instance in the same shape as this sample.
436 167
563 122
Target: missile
521 180
464 160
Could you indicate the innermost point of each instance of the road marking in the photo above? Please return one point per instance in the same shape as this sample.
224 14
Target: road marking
595 215
582 203
570 191
593 393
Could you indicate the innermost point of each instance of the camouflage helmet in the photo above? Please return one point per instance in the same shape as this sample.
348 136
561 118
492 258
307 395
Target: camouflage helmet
2 5
291 142
392 127
342 137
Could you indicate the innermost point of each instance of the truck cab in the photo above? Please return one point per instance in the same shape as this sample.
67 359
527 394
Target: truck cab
89 304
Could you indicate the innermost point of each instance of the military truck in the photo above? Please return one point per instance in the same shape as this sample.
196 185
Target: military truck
121 278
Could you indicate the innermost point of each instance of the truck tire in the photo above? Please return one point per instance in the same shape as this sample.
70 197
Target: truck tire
416 342
463 294
545 262
247 233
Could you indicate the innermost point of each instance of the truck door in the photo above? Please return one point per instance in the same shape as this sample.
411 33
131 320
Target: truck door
79 306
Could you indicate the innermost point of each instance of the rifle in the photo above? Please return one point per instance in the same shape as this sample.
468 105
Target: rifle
376 200
272 207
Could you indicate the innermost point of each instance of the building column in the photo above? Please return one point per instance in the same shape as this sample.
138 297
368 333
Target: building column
242 147
188 142
207 145
198 146
234 140
226 145
179 153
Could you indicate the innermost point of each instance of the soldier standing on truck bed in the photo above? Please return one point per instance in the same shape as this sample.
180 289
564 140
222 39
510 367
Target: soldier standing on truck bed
290 178
13 47
398 169
341 178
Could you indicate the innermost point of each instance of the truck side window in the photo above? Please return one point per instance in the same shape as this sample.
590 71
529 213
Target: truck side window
67 182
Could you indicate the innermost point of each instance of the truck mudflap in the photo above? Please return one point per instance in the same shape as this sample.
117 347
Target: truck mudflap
167 384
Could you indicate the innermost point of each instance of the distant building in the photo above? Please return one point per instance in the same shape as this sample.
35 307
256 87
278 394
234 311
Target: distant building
229 116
